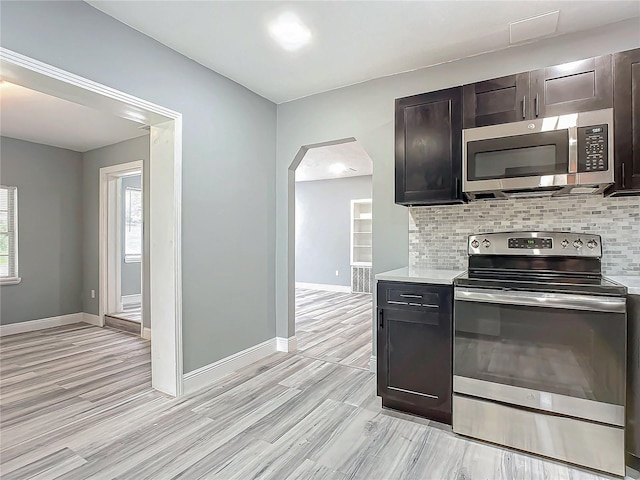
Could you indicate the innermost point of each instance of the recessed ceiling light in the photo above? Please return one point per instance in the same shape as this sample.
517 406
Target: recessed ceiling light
338 168
289 31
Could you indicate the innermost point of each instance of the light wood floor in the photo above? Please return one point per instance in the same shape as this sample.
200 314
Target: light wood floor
334 326
76 403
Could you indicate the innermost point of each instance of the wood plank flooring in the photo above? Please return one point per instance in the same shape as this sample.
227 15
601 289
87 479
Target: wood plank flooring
76 403
334 326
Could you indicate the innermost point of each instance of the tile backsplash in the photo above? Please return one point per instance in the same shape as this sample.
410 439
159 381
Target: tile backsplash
438 235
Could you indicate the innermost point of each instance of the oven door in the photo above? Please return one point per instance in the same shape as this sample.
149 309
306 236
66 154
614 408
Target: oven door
562 353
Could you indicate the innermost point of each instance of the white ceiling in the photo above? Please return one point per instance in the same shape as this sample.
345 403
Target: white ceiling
351 41
317 162
36 117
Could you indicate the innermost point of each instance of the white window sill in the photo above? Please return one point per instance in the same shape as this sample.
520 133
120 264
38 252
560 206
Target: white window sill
132 259
10 281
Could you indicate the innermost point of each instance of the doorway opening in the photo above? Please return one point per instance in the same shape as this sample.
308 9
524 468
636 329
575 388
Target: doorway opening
164 180
333 253
122 236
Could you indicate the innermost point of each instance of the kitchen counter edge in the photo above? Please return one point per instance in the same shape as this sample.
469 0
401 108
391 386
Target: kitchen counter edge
632 282
436 277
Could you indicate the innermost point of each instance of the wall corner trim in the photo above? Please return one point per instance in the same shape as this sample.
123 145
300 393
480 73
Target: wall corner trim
373 364
204 376
324 287
286 344
146 333
41 324
91 319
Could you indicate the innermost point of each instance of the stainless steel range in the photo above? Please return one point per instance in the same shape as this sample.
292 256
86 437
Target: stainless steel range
540 348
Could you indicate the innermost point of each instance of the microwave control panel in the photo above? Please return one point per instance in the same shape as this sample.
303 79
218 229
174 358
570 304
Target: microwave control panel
592 148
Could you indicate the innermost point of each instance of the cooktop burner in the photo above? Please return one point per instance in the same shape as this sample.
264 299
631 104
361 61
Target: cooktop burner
596 286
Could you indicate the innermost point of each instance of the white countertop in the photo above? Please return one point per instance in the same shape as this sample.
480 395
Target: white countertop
439 277
632 282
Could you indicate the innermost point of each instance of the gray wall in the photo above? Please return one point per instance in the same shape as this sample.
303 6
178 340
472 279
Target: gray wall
323 228
229 134
130 279
438 235
366 112
93 161
49 230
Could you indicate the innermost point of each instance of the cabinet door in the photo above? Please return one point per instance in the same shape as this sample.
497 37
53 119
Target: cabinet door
572 87
500 100
627 121
429 148
415 357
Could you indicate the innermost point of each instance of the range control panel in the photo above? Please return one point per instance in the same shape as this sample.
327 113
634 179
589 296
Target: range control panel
563 244
592 148
537 242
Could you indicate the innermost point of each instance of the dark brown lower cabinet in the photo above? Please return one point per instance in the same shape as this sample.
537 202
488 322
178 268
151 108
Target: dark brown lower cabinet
415 348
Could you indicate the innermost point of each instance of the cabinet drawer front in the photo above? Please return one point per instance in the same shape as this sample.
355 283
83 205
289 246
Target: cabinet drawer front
424 299
408 297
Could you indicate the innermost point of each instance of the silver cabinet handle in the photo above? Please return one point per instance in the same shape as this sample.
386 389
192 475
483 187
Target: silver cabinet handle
537 103
542 299
524 107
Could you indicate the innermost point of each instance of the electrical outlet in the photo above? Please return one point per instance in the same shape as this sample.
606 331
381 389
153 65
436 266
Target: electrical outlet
93 294
337 273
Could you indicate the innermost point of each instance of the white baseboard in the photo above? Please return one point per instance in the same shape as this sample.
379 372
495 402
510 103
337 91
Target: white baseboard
146 333
325 287
91 319
208 374
40 324
286 344
373 364
131 300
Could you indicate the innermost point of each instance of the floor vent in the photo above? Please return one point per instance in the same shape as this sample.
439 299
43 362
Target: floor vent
361 279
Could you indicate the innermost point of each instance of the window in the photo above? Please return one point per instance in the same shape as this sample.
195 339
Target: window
133 225
8 235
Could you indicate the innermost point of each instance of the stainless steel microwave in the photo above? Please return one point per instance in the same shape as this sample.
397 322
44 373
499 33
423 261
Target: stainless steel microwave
566 154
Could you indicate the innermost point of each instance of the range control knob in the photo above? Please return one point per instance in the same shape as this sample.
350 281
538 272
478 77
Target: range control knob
592 244
577 243
486 243
475 244
564 243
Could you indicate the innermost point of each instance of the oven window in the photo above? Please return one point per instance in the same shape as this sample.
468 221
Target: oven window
569 352
518 156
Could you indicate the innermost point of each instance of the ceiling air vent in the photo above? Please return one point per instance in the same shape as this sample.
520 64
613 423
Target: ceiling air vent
534 27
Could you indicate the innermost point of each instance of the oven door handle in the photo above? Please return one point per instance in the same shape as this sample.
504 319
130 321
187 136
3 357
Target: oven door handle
542 299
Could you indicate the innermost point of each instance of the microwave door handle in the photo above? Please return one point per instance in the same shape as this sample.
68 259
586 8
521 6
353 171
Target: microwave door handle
573 149
539 299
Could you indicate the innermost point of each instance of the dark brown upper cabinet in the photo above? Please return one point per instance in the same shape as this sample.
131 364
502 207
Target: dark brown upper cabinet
500 100
429 148
572 87
626 111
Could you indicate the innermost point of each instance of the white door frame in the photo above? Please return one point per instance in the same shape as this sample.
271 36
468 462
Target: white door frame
165 180
109 237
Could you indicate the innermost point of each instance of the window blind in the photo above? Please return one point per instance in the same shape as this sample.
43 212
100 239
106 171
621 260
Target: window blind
8 232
